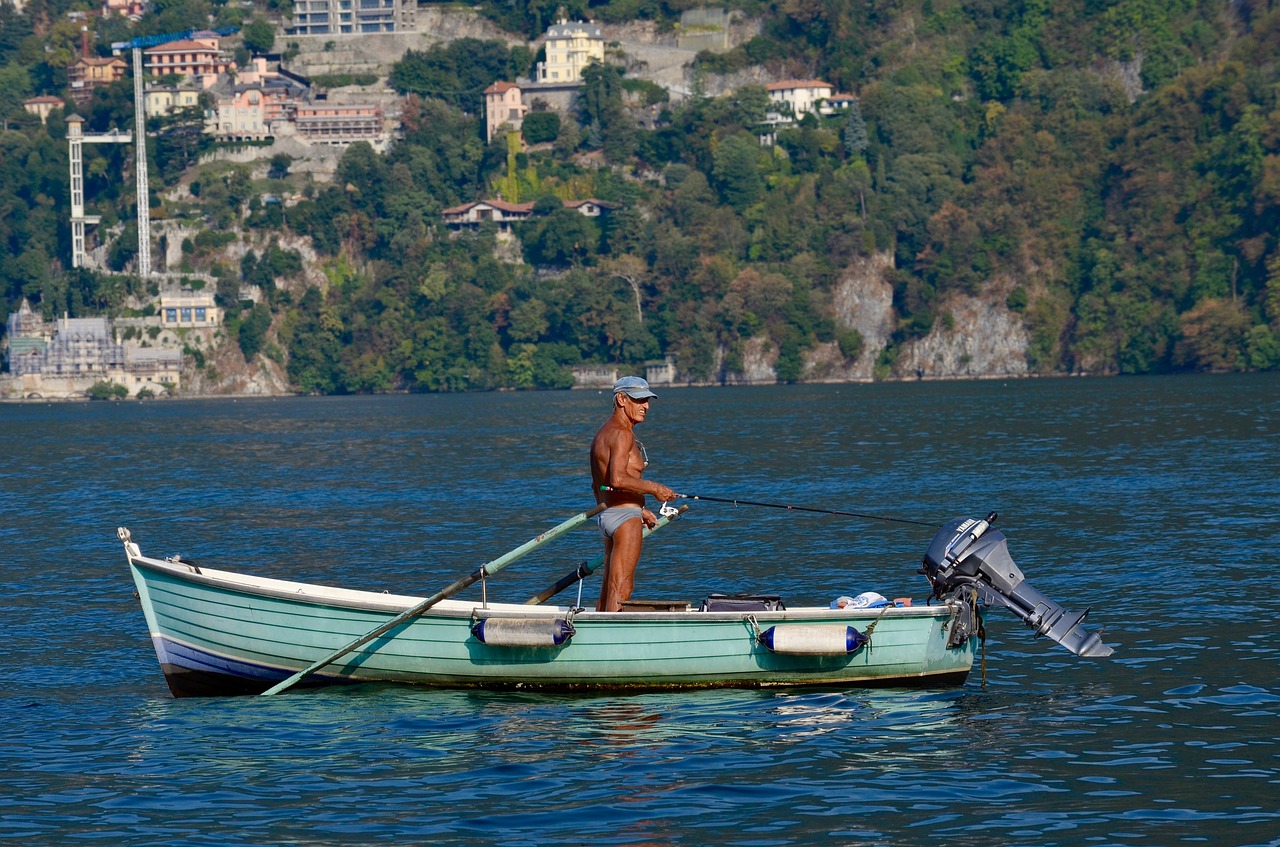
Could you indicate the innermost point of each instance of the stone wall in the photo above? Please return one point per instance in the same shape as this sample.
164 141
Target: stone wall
377 52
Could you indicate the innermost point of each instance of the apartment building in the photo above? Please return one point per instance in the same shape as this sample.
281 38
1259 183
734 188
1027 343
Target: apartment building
344 17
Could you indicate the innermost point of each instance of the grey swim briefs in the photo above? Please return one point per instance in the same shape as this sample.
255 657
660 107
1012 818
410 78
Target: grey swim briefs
615 516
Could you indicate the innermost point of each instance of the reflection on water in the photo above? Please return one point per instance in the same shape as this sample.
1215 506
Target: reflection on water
1153 501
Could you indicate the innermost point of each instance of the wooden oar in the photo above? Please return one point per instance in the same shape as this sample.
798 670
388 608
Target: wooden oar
487 569
585 569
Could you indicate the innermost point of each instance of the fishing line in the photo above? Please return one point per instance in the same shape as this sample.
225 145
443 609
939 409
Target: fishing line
738 502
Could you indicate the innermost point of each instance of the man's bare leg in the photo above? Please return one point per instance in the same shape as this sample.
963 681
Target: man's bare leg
621 554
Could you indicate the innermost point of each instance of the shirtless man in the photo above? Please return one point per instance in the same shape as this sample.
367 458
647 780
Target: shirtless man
616 465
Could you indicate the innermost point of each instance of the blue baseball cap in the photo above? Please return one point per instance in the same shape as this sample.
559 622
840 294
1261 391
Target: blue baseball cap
634 387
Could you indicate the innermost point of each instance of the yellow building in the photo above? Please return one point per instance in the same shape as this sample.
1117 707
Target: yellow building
165 100
89 72
43 106
571 46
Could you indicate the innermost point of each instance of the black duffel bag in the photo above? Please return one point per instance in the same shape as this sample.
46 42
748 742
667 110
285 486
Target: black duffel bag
742 603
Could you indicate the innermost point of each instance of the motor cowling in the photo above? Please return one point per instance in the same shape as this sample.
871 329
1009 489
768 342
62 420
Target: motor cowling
967 551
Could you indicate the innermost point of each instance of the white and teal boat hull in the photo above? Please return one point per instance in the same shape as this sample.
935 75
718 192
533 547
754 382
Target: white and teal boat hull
217 632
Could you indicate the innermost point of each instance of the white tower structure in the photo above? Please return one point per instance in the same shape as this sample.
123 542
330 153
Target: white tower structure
140 153
76 138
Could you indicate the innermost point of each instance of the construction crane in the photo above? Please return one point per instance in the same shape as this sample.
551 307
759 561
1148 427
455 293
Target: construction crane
137 45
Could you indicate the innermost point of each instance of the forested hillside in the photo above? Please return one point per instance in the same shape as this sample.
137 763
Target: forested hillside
1107 171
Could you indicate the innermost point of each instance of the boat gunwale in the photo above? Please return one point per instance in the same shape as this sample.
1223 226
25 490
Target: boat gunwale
319 595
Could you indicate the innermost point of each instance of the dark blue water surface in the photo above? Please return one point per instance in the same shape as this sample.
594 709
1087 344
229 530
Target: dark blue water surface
1154 500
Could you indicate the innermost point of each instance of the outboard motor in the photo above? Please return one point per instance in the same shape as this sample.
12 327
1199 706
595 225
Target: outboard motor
968 552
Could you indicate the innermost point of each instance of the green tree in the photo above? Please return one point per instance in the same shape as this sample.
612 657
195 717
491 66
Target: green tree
108 391
1262 348
279 168
315 338
737 171
854 133
259 36
540 127
15 86
751 105
175 16
180 140
601 110
1213 336
562 238
253 330
458 71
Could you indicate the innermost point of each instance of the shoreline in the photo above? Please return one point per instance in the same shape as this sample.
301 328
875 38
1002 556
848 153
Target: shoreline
667 386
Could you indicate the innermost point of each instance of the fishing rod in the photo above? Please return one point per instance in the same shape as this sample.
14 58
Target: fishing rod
737 502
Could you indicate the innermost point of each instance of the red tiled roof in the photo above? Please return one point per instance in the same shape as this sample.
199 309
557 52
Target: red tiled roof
509 207
499 87
184 45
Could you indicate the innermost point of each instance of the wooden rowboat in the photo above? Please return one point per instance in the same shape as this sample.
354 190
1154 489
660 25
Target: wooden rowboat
216 632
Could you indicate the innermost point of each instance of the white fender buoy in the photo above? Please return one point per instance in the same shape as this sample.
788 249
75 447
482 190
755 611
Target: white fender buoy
813 640
523 632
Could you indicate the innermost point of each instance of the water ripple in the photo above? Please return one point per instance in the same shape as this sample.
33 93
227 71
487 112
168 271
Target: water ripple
1145 499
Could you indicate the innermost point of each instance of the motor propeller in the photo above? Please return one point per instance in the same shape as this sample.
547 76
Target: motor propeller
967 551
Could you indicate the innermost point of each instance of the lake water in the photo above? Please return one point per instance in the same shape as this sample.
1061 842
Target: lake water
1154 501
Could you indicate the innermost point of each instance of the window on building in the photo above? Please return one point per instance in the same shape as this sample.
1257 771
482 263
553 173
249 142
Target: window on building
200 313
171 316
186 315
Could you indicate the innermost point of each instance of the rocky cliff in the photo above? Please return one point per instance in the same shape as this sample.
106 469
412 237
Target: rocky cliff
973 336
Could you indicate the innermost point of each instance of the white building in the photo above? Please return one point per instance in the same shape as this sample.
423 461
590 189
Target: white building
794 98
